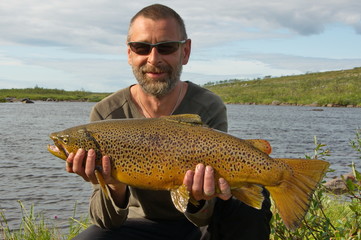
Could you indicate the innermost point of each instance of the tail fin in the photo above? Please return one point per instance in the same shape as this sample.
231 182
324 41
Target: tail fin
292 196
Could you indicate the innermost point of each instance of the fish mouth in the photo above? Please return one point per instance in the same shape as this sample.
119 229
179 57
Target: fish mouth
57 149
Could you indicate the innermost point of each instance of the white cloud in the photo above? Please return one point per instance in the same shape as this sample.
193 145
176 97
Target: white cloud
88 24
82 43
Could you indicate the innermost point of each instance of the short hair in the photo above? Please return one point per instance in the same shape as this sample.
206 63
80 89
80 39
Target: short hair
157 12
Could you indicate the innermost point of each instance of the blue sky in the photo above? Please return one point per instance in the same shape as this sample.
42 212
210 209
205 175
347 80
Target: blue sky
80 45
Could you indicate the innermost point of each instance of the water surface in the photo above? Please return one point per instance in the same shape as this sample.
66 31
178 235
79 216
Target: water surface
30 174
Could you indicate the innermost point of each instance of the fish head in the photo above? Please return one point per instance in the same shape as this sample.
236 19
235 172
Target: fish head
69 141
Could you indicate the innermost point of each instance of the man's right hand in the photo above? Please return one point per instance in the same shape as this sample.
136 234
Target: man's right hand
83 164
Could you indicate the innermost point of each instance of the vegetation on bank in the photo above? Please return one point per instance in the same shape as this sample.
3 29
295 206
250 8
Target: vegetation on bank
44 94
329 217
334 88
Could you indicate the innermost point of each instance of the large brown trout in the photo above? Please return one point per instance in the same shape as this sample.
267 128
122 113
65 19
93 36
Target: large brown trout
156 153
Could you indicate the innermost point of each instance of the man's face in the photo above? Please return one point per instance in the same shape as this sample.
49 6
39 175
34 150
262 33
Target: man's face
157 74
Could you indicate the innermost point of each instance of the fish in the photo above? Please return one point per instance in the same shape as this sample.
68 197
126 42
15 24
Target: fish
155 153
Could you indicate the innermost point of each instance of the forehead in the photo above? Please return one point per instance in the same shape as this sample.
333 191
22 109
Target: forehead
149 30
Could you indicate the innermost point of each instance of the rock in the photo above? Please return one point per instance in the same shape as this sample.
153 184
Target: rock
338 186
26 100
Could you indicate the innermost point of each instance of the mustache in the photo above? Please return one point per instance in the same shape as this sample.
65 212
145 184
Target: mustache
153 69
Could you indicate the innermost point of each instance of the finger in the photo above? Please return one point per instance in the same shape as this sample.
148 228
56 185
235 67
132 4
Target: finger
209 185
197 186
90 166
188 180
69 163
107 169
225 189
78 164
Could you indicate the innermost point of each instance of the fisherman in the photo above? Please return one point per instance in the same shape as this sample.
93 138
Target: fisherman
158 47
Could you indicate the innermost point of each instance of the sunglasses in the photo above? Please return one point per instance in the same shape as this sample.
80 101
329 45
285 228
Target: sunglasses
164 48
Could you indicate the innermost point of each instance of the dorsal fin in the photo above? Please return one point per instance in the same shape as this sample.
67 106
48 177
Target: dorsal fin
261 144
185 118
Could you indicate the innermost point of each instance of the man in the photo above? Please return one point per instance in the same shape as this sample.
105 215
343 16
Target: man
158 47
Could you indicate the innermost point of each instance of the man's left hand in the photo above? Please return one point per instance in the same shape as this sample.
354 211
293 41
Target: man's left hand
202 184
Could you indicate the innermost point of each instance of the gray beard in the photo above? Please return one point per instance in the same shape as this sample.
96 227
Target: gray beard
163 86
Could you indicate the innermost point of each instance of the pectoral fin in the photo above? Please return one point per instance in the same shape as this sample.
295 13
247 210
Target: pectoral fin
180 198
101 182
250 194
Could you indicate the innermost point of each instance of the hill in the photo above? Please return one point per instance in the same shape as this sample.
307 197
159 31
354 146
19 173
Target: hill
333 88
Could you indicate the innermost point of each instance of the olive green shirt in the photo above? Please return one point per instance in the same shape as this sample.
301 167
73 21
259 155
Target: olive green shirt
153 205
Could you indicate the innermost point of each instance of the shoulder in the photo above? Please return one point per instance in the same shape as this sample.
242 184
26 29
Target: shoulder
207 104
110 104
203 96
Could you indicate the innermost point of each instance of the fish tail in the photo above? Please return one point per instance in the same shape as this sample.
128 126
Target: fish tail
293 195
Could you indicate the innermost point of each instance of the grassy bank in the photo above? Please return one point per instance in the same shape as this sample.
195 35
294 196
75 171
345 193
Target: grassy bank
43 94
329 216
334 88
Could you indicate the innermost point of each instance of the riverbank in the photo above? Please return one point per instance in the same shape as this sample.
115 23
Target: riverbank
325 89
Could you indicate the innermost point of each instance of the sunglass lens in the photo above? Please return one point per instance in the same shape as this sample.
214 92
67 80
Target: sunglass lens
167 48
140 48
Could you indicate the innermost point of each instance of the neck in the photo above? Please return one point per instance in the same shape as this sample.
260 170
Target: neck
153 107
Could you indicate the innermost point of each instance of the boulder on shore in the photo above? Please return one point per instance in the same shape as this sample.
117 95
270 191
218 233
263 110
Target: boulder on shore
338 185
26 100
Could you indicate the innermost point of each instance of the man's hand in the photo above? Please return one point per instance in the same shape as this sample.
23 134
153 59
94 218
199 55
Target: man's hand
84 165
202 184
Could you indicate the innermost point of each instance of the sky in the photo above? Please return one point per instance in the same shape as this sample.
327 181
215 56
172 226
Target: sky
81 44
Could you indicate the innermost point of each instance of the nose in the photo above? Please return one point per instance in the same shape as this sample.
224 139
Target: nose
154 57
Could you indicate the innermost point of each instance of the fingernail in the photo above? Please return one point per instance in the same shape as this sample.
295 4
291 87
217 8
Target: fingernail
209 169
91 152
221 181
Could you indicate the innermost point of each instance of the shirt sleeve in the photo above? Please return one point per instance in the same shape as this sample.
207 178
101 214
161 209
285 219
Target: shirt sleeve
104 212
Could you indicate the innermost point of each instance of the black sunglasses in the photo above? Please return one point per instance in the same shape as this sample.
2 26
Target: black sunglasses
164 48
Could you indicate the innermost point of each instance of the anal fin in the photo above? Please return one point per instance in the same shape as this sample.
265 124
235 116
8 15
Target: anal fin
250 194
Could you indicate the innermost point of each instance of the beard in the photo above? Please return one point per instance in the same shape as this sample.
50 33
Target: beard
162 86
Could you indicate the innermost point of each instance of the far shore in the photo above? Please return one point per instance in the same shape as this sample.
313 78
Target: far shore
274 103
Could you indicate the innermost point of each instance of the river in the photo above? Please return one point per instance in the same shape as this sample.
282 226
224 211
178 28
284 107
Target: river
32 175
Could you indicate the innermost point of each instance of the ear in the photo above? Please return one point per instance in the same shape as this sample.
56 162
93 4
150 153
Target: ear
129 53
186 51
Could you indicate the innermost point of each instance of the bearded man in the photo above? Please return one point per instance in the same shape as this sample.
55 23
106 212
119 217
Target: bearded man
158 47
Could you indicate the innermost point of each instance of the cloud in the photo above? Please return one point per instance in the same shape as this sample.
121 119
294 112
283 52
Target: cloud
102 25
81 44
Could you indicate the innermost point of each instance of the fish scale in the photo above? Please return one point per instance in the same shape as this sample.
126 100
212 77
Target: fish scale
155 154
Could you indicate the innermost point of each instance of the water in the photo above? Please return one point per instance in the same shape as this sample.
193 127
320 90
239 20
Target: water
30 174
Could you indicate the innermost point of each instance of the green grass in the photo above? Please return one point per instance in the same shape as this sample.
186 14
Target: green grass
335 87
34 226
43 94
340 88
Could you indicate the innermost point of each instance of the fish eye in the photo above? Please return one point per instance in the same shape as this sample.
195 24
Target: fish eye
65 139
